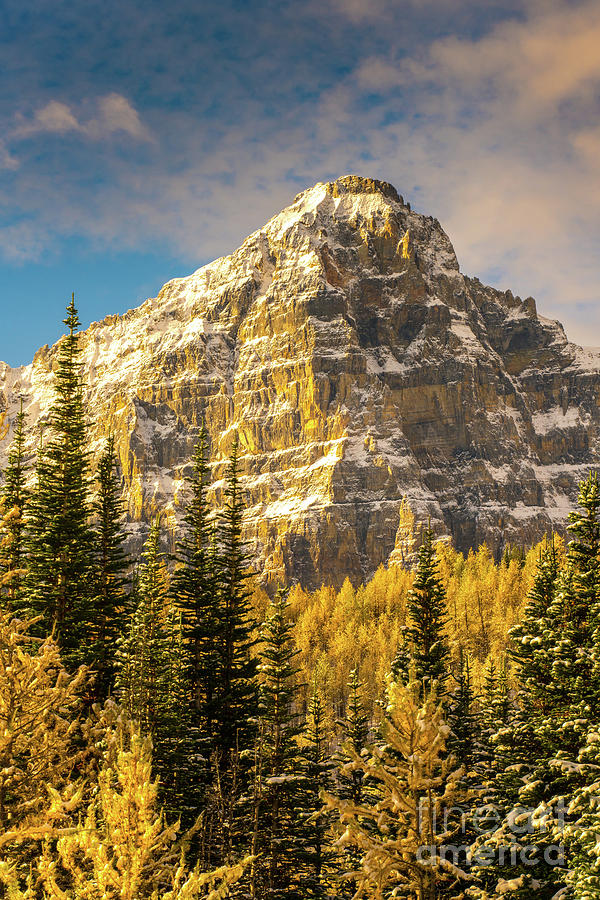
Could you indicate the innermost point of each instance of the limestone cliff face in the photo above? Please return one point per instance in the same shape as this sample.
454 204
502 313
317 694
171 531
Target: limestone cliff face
355 362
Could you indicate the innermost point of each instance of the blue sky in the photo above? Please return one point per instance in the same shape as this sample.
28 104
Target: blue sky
140 140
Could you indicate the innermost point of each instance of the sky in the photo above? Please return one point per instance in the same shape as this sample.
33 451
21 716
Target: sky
140 140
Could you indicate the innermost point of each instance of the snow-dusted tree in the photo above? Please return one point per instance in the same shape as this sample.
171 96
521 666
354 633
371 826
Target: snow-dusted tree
582 835
409 836
536 748
279 777
532 640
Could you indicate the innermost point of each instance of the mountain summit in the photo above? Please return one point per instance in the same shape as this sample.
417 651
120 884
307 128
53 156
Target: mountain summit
356 364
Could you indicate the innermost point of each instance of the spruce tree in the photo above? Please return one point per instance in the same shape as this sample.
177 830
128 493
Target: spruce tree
195 592
152 683
533 638
315 855
14 496
464 719
350 776
426 607
59 540
107 611
235 702
277 871
582 834
355 734
536 751
141 648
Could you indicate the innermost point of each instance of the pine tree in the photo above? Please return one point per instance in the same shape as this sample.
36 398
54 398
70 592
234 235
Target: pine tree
355 734
153 683
316 856
582 834
195 593
464 720
533 638
277 843
350 776
15 496
107 611
426 606
235 704
141 647
232 711
536 751
59 541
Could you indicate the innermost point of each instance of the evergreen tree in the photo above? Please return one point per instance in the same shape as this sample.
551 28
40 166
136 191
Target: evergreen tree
464 719
536 751
582 834
195 592
59 581
355 734
280 785
153 685
110 600
533 638
316 855
426 607
350 776
15 496
235 703
141 651
576 608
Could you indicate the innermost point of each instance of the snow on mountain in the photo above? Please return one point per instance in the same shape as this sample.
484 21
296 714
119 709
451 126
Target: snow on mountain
356 364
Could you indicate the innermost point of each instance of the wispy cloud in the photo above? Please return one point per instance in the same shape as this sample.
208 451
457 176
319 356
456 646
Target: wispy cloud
492 129
114 113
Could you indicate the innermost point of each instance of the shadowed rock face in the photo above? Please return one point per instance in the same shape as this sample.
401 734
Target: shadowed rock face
355 363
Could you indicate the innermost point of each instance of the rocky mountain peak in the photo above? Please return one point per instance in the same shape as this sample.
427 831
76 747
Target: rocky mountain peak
356 364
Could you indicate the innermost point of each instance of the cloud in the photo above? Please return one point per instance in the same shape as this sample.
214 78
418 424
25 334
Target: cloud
54 118
491 130
114 114
538 64
117 114
7 160
492 135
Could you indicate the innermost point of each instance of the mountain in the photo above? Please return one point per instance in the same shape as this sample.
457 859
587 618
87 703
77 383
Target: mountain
357 364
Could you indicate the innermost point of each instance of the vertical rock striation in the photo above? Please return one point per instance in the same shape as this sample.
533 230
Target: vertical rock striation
356 364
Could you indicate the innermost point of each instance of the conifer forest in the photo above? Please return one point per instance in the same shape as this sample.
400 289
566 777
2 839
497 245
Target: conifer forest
169 729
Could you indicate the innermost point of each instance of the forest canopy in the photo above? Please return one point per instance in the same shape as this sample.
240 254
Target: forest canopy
169 729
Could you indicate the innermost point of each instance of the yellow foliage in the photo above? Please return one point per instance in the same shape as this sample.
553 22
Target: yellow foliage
363 627
40 765
416 783
125 849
